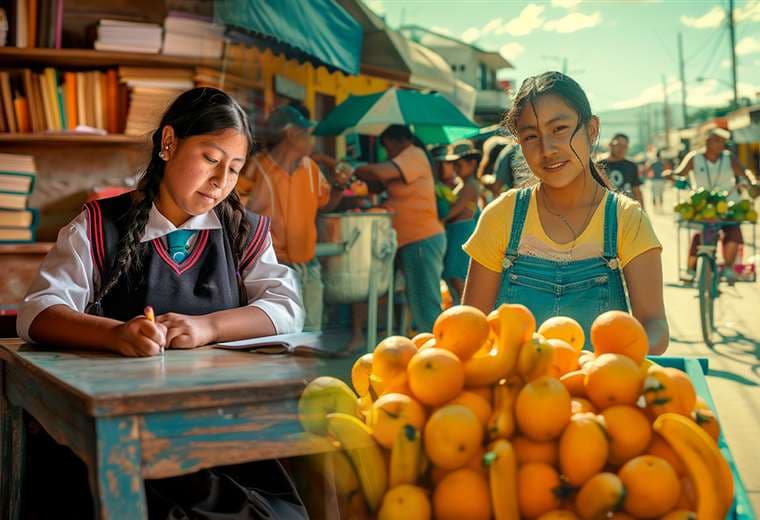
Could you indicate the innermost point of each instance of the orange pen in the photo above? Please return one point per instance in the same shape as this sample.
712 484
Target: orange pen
152 317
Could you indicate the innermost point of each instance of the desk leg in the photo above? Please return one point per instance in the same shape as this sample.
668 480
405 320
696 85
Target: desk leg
115 477
12 454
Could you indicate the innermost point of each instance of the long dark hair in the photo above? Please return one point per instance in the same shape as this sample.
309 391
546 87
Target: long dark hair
570 92
198 111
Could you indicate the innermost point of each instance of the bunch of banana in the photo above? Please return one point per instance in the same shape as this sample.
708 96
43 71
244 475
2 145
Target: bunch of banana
704 462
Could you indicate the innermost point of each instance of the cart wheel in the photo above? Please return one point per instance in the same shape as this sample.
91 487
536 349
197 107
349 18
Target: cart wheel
705 274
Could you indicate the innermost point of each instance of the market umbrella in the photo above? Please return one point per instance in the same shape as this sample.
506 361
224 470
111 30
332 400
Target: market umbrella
434 119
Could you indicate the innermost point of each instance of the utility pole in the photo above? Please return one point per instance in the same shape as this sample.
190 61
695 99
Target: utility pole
732 33
666 112
682 67
564 66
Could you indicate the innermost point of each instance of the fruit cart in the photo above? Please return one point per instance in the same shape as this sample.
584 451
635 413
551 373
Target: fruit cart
697 368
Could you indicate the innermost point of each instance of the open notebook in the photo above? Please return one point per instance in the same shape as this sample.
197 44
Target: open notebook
313 344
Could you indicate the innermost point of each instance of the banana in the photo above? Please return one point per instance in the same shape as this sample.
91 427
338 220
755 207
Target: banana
366 455
512 326
406 456
502 423
535 358
706 466
502 468
346 479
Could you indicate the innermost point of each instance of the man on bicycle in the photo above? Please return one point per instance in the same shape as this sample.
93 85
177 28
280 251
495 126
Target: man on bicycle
716 169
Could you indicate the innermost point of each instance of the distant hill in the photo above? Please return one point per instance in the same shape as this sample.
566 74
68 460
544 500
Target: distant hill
633 121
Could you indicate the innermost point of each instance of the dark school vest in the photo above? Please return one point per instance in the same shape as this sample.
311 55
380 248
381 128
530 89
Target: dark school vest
205 282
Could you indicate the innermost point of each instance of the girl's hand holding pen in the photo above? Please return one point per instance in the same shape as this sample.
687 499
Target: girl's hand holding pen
139 337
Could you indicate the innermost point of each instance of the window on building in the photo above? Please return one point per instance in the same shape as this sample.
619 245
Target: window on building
483 76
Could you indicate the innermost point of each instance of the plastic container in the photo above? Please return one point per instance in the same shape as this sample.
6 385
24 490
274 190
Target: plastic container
696 368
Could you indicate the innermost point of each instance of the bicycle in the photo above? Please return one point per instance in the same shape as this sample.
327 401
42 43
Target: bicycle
708 271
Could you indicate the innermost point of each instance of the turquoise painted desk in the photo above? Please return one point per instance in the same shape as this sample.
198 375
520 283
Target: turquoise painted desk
130 419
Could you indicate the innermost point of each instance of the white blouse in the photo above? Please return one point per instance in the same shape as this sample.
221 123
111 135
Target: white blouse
67 276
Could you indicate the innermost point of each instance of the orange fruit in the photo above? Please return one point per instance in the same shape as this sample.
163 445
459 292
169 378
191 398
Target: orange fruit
463 493
581 405
538 489
476 462
620 515
652 486
428 344
542 409
528 450
600 495
564 328
680 514
618 332
575 382
583 449
707 420
461 329
629 432
437 474
668 389
486 392
558 515
452 436
521 322
405 502
565 357
659 447
390 413
422 338
360 373
435 376
391 356
613 379
476 403
585 357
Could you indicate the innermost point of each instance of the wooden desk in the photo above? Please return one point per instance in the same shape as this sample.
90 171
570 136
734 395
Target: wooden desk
135 418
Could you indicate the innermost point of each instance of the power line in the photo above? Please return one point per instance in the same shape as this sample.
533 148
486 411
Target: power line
714 37
715 49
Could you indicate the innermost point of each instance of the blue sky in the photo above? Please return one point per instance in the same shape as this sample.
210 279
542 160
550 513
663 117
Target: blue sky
618 50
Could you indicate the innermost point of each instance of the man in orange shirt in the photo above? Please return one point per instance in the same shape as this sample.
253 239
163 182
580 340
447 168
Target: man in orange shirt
288 186
408 178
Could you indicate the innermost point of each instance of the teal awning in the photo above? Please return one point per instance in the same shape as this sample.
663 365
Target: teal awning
317 30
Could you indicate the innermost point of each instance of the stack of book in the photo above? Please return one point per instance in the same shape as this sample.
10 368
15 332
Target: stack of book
150 92
118 35
61 101
191 35
18 222
33 23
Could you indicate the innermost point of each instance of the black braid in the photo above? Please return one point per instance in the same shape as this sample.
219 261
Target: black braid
233 214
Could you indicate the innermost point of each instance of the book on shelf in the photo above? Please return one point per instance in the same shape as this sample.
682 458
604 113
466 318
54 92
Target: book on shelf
193 36
17 176
33 23
21 219
13 235
126 36
13 200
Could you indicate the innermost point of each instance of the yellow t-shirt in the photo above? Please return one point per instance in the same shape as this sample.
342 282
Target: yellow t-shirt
488 244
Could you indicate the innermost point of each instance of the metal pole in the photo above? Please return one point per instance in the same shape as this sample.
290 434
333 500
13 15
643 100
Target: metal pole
666 112
732 33
682 67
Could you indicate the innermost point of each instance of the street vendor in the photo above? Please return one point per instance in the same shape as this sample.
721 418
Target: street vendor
462 215
408 178
563 246
716 169
284 183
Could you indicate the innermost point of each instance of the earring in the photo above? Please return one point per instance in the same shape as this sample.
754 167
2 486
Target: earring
164 154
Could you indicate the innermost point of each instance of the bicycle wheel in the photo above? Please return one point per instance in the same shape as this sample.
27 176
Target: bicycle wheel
705 274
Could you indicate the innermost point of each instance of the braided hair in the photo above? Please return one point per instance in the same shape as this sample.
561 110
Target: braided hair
198 111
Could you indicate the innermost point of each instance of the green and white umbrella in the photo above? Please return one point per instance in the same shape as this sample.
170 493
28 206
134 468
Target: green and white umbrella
434 119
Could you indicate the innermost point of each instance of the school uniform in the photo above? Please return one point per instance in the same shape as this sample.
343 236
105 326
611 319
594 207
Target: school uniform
204 281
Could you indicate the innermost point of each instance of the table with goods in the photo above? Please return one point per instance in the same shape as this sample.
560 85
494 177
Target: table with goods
500 417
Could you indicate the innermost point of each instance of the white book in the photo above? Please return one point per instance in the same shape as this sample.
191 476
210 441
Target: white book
124 23
100 46
192 27
181 45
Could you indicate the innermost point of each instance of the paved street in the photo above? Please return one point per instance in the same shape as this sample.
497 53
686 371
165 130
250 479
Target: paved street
734 377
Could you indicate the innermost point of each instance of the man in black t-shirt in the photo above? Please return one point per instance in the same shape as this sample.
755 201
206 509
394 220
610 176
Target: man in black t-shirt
623 174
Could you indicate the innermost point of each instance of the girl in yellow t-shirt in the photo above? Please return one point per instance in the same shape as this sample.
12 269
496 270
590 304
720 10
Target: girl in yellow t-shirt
566 246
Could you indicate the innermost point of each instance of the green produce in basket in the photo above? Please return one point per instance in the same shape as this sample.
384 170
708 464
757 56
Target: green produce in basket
745 205
708 212
699 199
721 207
751 216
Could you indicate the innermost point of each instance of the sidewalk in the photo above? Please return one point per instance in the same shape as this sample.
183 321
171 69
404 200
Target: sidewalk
734 377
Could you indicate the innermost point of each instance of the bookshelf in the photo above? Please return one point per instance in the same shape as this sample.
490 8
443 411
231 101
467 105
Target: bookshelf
81 138
18 57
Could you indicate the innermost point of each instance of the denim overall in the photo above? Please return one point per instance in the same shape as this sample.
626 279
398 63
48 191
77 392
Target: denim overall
580 289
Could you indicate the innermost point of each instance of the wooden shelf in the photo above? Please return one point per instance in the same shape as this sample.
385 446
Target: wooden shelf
21 57
39 248
52 138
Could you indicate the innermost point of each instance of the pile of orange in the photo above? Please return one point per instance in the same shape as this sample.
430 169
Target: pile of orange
514 422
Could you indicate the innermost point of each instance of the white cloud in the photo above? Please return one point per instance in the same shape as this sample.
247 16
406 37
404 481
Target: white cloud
712 18
710 92
748 12
470 35
511 51
566 4
747 45
491 26
377 6
573 22
526 22
441 30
